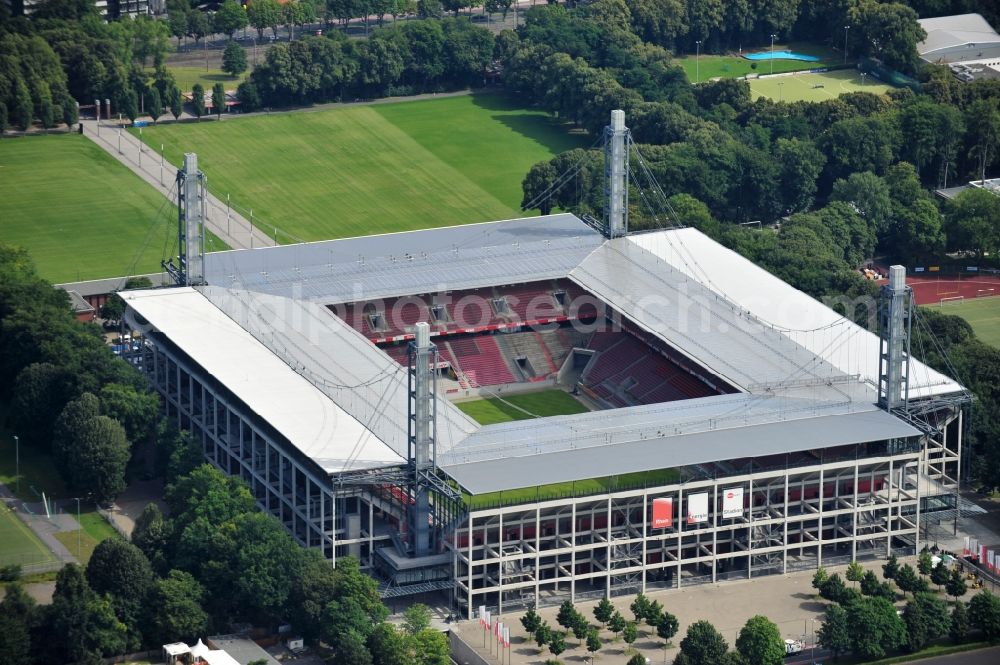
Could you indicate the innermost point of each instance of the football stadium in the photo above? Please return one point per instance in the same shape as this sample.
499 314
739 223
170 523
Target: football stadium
716 423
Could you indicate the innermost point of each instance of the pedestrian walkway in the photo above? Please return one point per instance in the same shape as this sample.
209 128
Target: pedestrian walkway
232 228
32 515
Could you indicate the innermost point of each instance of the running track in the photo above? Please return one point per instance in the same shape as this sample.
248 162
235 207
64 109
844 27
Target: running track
930 290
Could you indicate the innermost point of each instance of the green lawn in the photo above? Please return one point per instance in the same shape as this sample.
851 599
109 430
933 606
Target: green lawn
80 213
361 170
803 87
186 77
521 407
705 67
983 314
17 542
653 478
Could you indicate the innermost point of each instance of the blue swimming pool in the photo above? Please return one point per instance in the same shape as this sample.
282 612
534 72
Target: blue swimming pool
781 55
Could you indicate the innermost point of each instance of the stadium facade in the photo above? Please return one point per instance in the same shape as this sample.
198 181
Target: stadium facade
736 427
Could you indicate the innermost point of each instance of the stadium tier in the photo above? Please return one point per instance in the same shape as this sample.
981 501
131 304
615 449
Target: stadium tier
746 439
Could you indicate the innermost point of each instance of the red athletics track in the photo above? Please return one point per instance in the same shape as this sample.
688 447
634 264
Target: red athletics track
931 290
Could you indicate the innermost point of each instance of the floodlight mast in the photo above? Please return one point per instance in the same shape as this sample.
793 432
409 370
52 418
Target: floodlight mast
894 322
422 436
191 215
616 173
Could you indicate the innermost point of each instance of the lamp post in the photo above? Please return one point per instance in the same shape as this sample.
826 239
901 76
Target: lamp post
79 524
772 51
780 91
119 141
140 147
863 75
97 116
17 463
161 164
697 61
846 28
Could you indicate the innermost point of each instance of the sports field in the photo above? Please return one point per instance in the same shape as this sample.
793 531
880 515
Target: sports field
186 77
815 87
705 67
80 213
521 407
17 542
359 170
983 314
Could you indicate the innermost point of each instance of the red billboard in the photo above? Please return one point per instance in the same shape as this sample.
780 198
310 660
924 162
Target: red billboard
663 513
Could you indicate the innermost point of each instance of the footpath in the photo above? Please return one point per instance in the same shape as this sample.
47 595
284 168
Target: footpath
232 228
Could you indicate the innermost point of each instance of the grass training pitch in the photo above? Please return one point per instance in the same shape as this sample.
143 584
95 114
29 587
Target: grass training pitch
815 87
186 77
80 213
706 67
521 407
983 314
18 545
379 168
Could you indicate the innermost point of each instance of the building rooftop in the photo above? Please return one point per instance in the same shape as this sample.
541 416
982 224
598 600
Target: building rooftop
958 37
806 375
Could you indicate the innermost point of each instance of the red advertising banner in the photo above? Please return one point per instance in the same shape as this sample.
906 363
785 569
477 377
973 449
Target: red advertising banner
663 513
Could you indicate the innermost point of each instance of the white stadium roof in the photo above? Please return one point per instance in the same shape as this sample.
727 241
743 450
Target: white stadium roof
806 374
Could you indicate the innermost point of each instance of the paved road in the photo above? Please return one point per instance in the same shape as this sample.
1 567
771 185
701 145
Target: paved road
989 656
234 229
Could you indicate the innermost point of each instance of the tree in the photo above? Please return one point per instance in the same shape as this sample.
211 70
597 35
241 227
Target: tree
234 59
557 643
567 614
129 104
703 644
887 31
530 621
388 646
177 19
955 586
603 611
835 633
940 574
973 221
175 101
198 100
580 627
175 609
249 96
536 185
15 642
4 120
869 583
760 642
890 568
593 643
640 608
119 569
264 14
80 623
637 659
630 633
801 163
924 562
616 623
416 617
135 410
927 620
218 99
229 18
854 572
151 534
543 634
40 390
23 110
198 25
874 627
430 647
820 578
959 628
154 105
908 580
666 628
984 614
982 120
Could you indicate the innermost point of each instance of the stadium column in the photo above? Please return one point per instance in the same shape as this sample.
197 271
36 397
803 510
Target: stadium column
958 472
607 559
500 569
784 526
715 532
572 554
468 565
819 521
538 549
645 522
854 515
680 534
750 530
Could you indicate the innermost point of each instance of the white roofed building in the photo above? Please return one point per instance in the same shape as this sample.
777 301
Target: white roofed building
965 42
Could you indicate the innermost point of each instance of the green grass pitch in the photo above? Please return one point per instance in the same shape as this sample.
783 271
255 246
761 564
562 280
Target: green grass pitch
652 478
18 544
803 87
80 213
359 170
706 67
521 407
983 314
186 77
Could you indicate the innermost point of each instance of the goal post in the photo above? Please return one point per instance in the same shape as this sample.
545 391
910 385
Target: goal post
951 300
985 293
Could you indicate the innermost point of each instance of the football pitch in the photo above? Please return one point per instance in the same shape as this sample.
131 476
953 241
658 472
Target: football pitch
366 169
705 67
983 314
80 213
815 87
521 407
18 545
